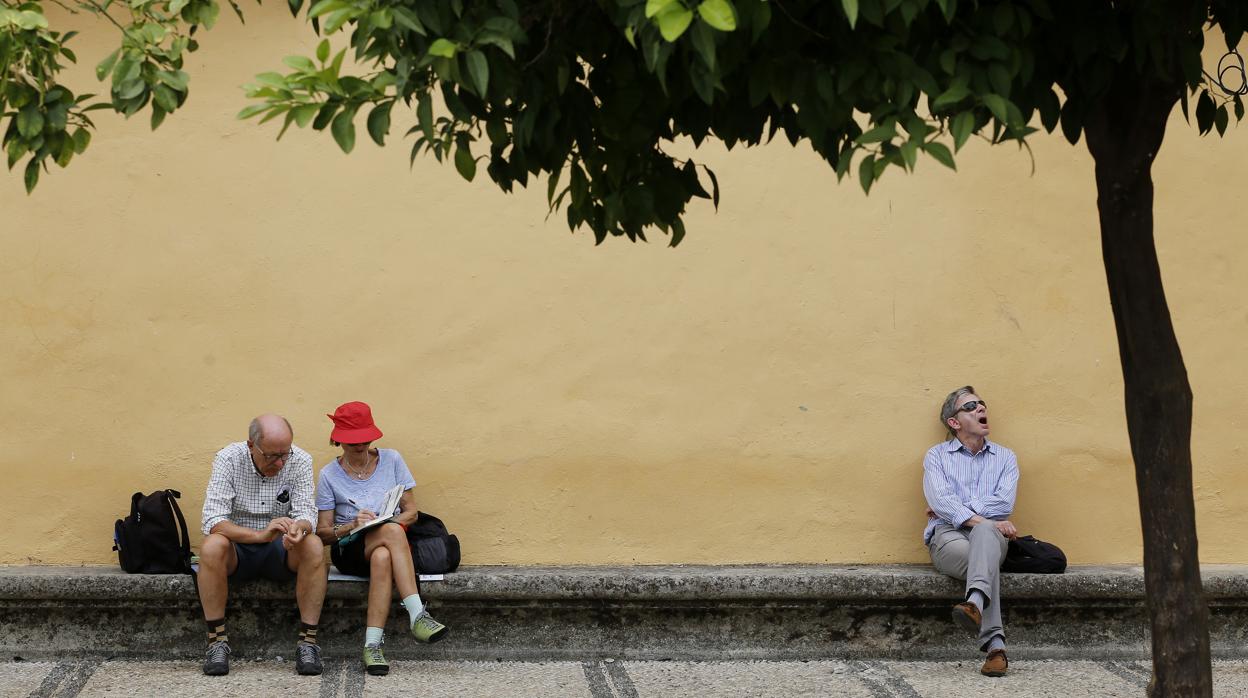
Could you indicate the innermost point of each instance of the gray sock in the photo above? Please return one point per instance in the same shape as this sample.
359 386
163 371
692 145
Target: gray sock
979 598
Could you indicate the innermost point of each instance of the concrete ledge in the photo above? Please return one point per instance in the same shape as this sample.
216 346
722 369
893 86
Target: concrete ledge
678 612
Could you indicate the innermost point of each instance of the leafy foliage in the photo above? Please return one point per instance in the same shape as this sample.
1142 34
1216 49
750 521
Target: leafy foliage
48 121
593 93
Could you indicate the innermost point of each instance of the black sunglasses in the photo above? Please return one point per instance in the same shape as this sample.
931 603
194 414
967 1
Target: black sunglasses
971 405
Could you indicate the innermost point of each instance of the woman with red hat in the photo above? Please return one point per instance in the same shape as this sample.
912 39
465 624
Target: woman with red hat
351 489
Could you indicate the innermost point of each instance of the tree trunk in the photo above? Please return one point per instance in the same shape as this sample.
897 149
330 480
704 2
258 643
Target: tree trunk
1124 132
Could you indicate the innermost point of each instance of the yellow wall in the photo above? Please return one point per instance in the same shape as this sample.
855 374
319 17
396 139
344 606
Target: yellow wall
763 393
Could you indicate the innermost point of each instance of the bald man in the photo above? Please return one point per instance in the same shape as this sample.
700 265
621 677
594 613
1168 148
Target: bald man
259 514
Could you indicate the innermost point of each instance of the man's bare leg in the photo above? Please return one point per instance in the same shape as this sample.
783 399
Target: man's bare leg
217 561
307 560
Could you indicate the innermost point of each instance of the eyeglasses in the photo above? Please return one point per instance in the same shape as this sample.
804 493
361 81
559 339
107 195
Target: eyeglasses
275 457
971 405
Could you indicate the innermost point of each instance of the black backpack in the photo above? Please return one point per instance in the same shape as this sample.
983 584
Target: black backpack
153 538
434 550
1026 554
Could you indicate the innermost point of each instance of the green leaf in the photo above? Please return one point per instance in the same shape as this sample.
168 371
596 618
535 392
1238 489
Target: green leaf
32 175
106 65
82 138
302 64
719 14
344 130
956 93
29 19
165 97
465 163
250 111
851 11
941 154
998 106
175 6
674 21
878 134
424 114
961 129
177 79
479 71
304 113
910 153
29 121
866 173
704 44
379 122
654 7
443 48
1205 111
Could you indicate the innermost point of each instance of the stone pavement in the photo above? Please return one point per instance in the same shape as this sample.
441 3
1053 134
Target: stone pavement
597 679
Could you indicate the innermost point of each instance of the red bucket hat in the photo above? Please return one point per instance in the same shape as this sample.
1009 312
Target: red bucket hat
353 424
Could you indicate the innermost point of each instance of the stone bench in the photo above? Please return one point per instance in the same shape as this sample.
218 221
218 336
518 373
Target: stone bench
643 612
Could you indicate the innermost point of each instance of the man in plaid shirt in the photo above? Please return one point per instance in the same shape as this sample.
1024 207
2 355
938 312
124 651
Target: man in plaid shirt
259 517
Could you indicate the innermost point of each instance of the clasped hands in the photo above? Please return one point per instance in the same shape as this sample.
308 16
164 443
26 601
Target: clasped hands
1006 528
290 530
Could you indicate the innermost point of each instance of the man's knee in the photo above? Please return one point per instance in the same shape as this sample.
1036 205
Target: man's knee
311 553
987 528
215 551
953 557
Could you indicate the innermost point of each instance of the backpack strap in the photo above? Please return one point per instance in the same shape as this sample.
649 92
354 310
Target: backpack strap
186 540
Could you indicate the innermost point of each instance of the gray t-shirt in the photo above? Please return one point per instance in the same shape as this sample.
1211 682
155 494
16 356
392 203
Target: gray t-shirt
337 490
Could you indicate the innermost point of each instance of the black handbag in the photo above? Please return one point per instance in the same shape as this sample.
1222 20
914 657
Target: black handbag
1026 554
434 549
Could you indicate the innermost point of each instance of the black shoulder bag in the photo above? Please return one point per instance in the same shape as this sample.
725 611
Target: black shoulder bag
1026 554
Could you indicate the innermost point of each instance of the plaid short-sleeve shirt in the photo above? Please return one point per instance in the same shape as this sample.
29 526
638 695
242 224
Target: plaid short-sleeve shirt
239 493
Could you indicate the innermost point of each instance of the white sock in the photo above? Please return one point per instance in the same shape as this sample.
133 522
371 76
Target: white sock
979 598
414 607
373 637
996 643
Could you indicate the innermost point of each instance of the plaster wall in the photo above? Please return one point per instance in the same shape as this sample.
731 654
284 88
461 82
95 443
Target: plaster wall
762 393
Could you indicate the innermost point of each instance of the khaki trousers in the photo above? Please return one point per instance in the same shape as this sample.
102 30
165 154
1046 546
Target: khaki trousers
974 555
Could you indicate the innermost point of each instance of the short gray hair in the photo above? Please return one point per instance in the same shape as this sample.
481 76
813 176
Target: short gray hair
255 434
950 406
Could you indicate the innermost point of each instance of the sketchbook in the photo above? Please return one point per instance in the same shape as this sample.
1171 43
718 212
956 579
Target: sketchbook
388 510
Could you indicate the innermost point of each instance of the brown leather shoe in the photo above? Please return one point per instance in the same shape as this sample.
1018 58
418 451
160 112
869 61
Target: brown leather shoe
967 617
996 664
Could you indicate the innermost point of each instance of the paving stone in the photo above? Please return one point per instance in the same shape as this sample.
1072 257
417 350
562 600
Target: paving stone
1030 679
183 678
1230 678
22 678
434 679
747 678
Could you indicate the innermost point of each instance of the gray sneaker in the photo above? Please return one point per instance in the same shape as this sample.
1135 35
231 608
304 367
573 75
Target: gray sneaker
308 659
217 659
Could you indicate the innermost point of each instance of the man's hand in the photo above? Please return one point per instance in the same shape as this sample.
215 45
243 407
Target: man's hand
279 526
1007 529
291 538
929 513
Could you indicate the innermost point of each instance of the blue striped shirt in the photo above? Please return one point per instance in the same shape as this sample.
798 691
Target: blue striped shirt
959 484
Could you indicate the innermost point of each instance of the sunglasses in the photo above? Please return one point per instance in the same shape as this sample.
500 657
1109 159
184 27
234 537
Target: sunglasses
971 405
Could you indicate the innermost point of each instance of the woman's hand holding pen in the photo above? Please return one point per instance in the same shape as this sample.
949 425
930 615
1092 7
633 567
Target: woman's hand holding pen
362 517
